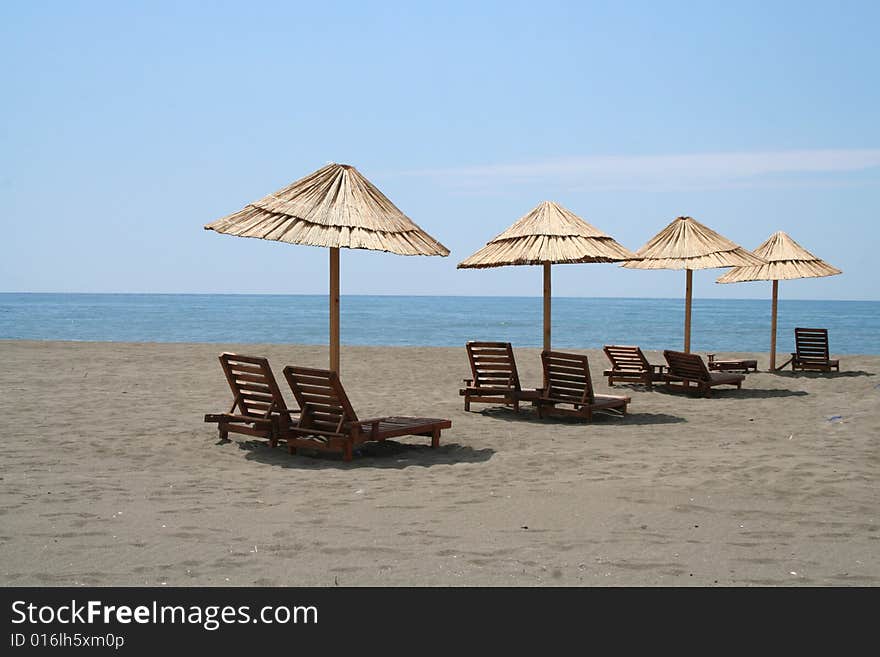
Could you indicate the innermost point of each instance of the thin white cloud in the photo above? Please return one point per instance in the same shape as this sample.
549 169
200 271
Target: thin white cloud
668 172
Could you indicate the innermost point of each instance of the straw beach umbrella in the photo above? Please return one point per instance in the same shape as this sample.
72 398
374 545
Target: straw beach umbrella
786 259
334 207
687 244
547 235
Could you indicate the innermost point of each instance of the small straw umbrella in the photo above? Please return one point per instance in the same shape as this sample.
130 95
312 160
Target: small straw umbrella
687 244
547 235
786 259
334 207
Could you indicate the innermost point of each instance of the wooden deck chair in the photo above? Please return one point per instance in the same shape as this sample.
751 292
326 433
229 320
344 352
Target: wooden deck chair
811 351
686 369
732 364
629 364
494 376
261 408
328 421
567 381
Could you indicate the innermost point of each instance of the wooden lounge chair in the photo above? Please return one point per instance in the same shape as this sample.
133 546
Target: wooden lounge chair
731 365
567 381
329 423
495 379
629 364
811 351
262 411
686 369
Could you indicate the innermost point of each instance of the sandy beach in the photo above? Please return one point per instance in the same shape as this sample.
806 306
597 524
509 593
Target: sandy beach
111 477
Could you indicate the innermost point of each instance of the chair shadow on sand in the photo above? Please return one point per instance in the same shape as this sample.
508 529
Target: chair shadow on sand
385 454
732 393
823 375
531 416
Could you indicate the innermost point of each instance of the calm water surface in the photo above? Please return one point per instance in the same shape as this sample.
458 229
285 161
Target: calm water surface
722 325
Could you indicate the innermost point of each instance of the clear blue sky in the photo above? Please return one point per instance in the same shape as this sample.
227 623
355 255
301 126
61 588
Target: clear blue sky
124 127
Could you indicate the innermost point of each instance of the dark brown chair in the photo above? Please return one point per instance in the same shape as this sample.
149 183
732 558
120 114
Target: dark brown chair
328 421
686 369
731 364
495 379
567 381
629 364
262 411
811 351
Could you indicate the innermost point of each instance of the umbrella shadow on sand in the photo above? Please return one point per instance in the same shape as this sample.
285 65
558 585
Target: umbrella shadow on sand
385 454
529 415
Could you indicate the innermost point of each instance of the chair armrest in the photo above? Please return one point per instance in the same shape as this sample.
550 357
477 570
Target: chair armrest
230 417
373 422
315 432
530 394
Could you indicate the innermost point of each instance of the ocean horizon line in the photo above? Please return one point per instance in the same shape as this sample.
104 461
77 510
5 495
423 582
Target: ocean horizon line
429 296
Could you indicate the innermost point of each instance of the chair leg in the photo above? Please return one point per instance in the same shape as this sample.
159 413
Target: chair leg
290 448
347 451
224 434
435 438
467 403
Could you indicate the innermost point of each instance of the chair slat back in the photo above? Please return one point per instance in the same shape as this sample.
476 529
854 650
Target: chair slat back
493 365
250 377
811 344
626 358
567 377
687 366
321 397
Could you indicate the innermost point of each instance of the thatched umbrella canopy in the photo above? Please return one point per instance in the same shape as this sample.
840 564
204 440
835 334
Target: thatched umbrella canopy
687 244
334 207
785 260
547 235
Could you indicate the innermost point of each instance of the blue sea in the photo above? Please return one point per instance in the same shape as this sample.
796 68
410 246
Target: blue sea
580 323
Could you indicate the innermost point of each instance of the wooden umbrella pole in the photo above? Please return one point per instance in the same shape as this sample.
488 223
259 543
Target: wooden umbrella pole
547 314
687 311
334 309
773 327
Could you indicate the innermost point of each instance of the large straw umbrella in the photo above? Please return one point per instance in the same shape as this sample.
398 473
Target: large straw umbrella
547 235
786 259
334 207
687 244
